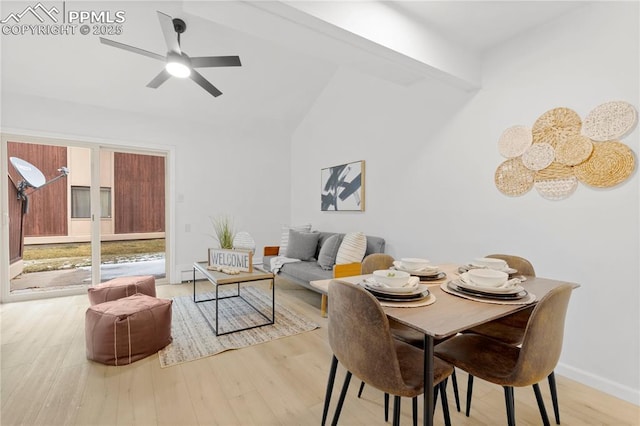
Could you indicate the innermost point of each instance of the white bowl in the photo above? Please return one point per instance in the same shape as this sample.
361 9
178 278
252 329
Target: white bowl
414 263
487 277
491 263
391 277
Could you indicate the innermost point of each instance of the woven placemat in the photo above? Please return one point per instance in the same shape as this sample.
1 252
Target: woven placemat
610 163
558 189
513 178
574 150
609 121
530 298
556 125
556 182
514 141
555 171
431 298
538 156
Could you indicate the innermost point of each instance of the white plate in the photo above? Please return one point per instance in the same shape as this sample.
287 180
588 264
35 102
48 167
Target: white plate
420 288
495 290
374 285
508 270
427 272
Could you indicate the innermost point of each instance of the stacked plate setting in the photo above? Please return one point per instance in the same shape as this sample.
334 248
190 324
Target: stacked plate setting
488 283
489 263
395 286
421 268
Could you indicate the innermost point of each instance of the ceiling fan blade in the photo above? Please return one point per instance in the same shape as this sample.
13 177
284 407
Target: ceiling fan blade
216 61
198 78
170 35
159 79
132 49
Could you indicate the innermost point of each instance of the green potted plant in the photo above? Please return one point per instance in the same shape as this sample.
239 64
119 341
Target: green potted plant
224 232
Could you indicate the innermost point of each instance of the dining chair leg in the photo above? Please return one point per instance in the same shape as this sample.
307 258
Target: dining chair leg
343 393
454 381
554 396
511 410
469 393
386 407
361 389
327 396
396 410
445 403
414 410
543 410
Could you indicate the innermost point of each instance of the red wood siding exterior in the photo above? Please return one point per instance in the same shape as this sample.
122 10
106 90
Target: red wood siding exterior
47 207
138 193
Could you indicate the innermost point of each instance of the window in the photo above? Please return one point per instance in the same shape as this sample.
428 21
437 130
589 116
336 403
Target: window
81 202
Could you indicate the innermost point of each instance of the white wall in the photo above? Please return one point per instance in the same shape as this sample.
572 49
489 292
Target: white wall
240 169
429 177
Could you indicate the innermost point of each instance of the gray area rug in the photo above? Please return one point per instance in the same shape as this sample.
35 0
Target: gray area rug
194 339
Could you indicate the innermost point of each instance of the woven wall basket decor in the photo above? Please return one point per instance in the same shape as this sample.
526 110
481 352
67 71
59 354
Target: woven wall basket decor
556 125
556 182
538 156
610 164
609 121
574 150
514 141
513 178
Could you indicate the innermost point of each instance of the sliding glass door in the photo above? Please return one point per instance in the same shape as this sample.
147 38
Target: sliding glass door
134 243
105 218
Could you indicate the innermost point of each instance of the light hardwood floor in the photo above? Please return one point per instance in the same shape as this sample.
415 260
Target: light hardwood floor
46 380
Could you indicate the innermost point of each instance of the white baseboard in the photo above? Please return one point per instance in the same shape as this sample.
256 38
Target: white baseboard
185 273
600 383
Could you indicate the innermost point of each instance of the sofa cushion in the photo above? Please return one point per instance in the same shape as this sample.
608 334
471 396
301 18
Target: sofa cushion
306 271
329 251
302 245
352 248
284 236
375 245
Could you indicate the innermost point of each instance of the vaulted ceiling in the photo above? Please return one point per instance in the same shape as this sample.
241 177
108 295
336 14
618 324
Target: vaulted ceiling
289 52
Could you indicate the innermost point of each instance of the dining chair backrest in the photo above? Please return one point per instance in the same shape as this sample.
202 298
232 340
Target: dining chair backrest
375 262
360 338
523 266
542 344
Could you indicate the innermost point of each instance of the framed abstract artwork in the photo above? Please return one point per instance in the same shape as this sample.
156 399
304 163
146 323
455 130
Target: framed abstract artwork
342 187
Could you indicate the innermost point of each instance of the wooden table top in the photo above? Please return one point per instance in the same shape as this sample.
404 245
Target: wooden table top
221 278
451 314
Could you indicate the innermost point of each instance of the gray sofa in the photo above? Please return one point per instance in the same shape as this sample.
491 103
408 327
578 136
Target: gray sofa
306 271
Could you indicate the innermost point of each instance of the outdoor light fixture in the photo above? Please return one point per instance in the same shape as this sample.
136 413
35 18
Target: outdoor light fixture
178 65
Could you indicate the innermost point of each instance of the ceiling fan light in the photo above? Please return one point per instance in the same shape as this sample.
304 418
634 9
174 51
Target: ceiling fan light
178 69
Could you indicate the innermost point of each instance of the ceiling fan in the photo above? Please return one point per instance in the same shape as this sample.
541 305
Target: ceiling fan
178 63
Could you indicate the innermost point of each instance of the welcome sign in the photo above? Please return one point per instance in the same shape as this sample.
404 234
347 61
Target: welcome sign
238 259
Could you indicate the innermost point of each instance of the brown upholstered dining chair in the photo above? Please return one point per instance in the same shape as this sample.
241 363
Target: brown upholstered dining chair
510 329
361 341
512 366
377 261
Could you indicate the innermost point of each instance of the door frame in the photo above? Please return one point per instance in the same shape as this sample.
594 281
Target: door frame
95 145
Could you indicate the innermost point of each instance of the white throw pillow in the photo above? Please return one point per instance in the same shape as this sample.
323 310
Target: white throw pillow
284 237
352 248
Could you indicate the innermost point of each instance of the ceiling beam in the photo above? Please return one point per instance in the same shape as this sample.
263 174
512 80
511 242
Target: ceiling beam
368 36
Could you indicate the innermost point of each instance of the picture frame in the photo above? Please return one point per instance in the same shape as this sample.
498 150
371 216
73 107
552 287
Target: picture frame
342 187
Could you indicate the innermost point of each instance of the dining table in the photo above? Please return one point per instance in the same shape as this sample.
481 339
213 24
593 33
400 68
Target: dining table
450 314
